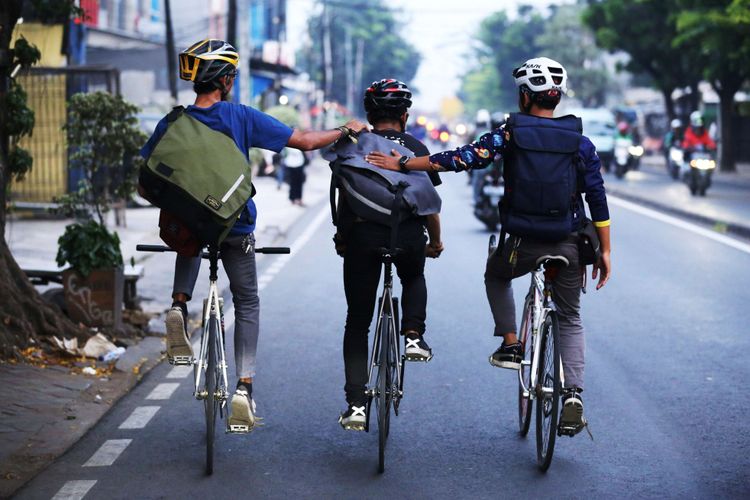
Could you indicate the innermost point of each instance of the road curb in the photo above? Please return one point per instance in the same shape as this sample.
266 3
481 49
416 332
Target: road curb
719 226
79 415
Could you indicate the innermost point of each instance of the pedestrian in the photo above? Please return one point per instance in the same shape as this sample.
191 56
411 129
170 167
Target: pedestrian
293 163
539 216
211 65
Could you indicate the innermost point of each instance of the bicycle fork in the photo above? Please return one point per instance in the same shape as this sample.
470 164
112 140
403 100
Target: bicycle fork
212 310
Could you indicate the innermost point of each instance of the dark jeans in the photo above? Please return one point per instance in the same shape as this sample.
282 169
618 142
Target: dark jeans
362 268
296 178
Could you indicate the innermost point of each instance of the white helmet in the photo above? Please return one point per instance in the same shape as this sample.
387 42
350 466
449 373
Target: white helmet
696 119
541 74
676 123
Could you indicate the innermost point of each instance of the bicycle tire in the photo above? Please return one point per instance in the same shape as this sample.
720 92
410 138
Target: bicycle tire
384 385
548 408
210 402
525 405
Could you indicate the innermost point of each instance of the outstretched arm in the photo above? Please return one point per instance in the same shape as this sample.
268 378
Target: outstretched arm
307 141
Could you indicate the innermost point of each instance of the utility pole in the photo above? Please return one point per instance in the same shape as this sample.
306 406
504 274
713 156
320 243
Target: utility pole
171 53
327 52
232 39
359 62
349 67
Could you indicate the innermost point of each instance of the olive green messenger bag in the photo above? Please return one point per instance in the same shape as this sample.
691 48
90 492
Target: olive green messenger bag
198 175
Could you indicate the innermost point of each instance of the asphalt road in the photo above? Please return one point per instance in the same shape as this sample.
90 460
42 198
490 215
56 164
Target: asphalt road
667 356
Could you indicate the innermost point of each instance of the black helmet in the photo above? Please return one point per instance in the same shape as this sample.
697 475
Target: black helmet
389 96
208 60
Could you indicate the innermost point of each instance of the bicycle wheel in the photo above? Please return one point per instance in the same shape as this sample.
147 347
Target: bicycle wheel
384 388
211 403
525 405
548 392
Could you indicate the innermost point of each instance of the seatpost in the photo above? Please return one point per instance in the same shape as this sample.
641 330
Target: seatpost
213 261
388 261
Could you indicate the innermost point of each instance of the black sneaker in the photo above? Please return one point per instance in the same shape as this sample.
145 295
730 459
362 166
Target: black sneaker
179 349
355 417
508 356
416 348
572 420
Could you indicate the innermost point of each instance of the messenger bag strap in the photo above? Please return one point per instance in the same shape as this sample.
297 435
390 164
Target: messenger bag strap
335 169
398 191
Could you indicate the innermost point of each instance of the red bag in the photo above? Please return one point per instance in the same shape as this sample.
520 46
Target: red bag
177 236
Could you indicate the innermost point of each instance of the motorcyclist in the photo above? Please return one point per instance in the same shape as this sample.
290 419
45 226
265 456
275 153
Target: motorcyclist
623 131
674 136
696 135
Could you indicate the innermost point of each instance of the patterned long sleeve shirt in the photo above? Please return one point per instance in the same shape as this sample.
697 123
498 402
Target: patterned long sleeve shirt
480 153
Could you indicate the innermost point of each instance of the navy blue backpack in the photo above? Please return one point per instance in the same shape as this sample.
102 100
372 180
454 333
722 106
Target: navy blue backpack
541 176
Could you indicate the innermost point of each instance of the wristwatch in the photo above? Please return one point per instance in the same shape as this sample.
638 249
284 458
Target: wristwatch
402 163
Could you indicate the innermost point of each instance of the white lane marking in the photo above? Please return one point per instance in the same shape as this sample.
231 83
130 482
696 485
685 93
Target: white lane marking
140 417
108 453
182 371
674 221
74 490
277 266
163 391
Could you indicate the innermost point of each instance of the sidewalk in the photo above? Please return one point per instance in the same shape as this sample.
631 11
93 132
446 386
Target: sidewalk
725 208
45 410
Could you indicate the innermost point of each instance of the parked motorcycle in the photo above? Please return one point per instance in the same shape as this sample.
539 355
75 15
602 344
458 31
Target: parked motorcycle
675 162
627 156
698 177
487 204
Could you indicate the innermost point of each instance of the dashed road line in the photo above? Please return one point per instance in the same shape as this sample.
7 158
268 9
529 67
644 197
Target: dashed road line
74 490
163 391
108 453
140 417
182 371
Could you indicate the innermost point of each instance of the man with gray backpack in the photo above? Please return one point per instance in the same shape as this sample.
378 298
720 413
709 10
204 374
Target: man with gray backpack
211 65
549 165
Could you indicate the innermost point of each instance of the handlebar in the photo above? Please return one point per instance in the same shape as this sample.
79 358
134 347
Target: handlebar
164 248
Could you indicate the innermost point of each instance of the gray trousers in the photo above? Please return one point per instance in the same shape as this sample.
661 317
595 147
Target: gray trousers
243 283
567 286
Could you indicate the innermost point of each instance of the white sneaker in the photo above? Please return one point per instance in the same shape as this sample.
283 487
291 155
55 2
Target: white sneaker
179 350
242 417
354 418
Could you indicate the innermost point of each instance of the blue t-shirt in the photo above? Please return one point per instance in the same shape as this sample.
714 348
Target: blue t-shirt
248 127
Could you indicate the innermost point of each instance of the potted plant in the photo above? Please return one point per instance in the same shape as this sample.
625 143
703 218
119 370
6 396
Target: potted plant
104 141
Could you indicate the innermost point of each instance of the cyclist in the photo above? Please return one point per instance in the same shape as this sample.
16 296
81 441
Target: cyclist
212 67
541 83
386 103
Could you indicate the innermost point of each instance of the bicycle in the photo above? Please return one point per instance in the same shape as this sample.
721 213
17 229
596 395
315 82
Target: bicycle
541 377
386 361
211 361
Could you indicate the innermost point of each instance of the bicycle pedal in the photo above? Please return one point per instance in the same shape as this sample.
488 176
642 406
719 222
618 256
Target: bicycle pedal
418 359
354 427
239 429
180 360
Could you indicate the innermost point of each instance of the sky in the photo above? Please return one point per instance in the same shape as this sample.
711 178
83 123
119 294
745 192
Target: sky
441 30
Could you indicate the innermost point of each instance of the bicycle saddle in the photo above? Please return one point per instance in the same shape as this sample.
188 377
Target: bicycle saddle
383 251
548 261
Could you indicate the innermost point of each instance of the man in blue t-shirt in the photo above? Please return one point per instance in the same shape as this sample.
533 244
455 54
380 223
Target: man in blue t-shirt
212 66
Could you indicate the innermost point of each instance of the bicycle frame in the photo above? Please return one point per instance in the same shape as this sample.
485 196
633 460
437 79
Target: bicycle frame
385 313
540 300
213 309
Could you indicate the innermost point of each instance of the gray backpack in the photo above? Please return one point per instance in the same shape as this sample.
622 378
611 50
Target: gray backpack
374 194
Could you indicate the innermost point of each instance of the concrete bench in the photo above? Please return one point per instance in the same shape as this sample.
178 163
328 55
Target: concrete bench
132 274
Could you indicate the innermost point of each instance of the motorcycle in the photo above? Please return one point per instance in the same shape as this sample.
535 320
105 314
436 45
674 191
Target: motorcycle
675 162
627 156
701 168
487 204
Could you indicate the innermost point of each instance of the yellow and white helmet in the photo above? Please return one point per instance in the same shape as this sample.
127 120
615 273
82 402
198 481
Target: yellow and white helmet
208 60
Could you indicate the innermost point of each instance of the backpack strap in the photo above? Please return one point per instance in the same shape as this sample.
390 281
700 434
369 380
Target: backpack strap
335 169
398 191
175 113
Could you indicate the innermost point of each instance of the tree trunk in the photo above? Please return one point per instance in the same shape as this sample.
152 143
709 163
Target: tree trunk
668 103
727 159
25 318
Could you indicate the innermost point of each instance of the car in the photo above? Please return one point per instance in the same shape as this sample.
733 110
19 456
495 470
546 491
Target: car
599 126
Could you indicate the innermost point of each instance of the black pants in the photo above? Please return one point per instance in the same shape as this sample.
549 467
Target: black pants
362 268
296 178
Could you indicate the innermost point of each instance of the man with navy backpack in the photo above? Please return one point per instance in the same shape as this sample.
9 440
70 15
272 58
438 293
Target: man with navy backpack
549 165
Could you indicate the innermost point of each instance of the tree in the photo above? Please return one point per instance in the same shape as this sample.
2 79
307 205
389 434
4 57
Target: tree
384 53
24 316
567 40
646 30
720 28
